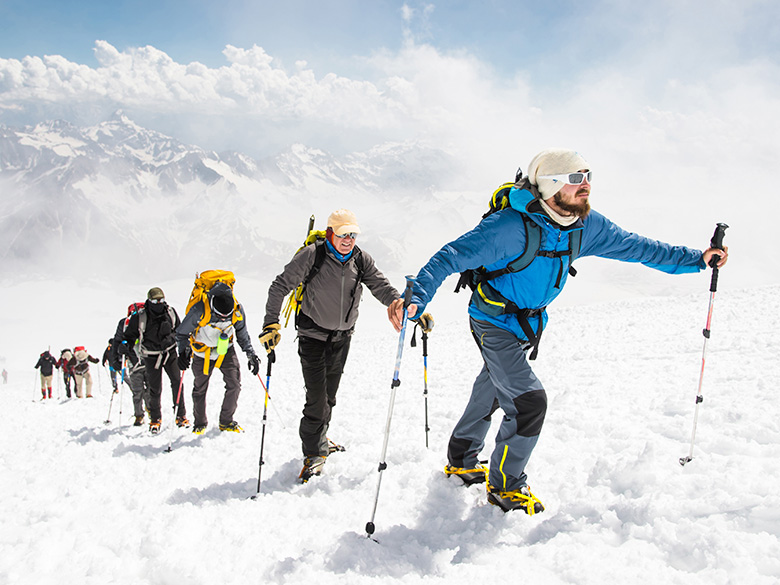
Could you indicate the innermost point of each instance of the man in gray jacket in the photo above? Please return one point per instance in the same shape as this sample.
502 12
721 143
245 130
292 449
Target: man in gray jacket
334 270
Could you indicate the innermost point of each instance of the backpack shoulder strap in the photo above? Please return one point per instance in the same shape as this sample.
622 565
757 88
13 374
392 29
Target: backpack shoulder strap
319 258
359 262
533 241
575 242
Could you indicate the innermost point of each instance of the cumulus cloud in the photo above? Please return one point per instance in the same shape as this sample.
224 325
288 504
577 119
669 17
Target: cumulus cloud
630 108
147 78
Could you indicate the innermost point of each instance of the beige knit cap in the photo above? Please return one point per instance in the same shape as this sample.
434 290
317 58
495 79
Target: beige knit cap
554 161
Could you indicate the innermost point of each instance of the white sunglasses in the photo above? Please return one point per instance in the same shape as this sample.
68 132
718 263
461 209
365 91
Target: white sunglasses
570 178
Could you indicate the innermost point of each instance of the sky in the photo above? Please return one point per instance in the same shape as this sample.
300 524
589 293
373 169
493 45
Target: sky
346 75
676 104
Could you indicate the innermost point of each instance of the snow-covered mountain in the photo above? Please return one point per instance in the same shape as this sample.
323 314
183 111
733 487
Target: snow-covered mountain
121 197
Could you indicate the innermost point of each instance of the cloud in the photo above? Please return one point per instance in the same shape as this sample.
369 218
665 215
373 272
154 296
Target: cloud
630 108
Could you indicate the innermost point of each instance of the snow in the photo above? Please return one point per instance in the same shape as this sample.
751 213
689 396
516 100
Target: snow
64 146
88 502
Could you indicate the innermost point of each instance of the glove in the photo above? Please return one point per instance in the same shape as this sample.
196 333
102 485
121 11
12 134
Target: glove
253 364
270 336
426 322
183 361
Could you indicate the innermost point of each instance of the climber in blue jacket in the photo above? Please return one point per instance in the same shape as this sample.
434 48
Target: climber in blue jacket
549 214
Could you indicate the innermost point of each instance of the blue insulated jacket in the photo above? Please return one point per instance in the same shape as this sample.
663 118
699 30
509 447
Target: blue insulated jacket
500 238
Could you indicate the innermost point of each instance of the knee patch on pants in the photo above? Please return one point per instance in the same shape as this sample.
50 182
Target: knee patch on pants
456 451
531 409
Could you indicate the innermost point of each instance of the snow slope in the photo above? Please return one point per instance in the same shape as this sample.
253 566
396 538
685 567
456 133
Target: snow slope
86 502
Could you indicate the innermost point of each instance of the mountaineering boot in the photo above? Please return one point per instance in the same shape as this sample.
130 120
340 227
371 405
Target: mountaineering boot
311 466
154 427
231 427
49 392
181 421
333 447
139 420
521 499
199 429
467 476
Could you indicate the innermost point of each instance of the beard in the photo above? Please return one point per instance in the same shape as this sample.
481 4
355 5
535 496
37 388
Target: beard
579 208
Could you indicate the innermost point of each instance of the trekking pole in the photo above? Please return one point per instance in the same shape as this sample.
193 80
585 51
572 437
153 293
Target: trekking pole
121 387
716 242
425 373
271 360
394 386
110 403
175 408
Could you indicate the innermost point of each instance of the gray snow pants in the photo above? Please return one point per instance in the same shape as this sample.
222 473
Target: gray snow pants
507 382
231 374
137 383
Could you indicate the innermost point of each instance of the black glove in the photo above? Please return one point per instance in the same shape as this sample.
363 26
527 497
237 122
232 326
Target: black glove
253 364
183 361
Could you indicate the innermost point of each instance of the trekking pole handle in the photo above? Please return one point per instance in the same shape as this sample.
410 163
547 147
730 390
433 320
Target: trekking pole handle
271 360
717 237
408 290
716 242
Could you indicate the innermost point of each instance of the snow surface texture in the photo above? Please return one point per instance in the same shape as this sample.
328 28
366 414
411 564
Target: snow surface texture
86 502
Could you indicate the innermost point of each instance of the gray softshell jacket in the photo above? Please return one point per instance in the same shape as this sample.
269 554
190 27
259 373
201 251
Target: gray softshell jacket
327 299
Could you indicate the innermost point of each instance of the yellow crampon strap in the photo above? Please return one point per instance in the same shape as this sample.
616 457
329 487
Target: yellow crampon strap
458 471
529 502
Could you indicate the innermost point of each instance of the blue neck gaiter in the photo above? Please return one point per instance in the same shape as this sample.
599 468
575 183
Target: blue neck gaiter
342 257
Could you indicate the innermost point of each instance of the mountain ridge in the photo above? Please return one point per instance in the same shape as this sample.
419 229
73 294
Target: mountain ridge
120 194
